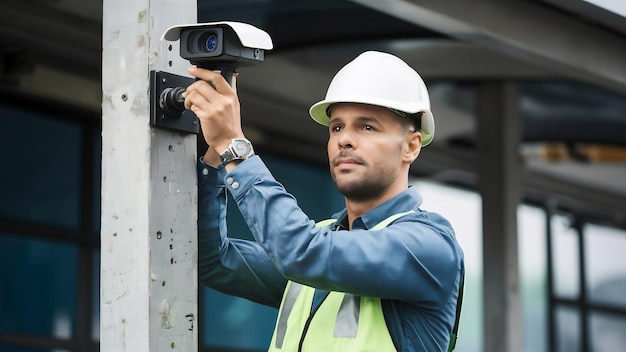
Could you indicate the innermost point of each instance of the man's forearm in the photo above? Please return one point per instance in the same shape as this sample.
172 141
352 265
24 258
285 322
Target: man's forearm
231 266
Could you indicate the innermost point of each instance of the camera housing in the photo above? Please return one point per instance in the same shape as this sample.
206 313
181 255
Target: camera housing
212 48
216 45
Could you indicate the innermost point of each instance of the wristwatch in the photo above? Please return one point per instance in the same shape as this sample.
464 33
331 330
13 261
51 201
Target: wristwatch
239 149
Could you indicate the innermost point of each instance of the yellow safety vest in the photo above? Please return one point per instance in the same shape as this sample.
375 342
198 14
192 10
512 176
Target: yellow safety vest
343 322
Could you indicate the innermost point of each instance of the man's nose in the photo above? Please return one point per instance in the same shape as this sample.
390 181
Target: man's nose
345 140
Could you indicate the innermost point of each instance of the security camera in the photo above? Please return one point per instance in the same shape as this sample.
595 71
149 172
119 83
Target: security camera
221 46
218 46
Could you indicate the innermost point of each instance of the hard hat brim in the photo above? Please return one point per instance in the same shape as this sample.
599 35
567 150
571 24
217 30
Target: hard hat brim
319 113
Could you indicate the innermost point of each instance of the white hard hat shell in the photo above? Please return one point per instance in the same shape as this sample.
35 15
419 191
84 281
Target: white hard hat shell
381 79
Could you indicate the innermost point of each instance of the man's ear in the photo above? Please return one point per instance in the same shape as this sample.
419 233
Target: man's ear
414 146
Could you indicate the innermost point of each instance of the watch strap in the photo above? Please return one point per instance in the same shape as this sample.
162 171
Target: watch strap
227 156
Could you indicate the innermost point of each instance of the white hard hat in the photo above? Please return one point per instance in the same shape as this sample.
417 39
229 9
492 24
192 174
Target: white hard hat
381 79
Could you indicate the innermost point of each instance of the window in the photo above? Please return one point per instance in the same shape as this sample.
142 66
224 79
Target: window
588 307
49 225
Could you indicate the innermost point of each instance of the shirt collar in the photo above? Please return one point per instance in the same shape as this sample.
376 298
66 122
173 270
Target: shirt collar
410 199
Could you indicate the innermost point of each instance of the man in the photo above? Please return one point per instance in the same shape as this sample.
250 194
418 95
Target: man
382 274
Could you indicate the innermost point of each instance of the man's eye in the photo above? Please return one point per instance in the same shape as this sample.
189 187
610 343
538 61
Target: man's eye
335 128
368 128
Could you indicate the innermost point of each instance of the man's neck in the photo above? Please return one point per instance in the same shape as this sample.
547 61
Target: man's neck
356 208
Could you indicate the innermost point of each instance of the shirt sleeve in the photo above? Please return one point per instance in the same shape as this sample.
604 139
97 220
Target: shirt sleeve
233 266
416 258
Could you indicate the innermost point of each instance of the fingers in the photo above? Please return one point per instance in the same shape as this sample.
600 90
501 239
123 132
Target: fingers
197 103
234 81
215 78
215 103
199 94
211 87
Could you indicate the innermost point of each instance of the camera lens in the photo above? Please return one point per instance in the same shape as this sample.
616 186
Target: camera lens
209 42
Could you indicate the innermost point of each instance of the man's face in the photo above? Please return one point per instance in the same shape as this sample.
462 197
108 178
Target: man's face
366 150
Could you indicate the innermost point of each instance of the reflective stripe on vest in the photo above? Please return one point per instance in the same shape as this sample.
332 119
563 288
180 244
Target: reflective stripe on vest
359 322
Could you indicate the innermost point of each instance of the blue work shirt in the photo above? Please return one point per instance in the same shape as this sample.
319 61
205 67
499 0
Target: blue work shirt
414 264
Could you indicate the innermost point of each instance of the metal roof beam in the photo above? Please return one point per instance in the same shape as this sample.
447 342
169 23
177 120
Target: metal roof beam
526 30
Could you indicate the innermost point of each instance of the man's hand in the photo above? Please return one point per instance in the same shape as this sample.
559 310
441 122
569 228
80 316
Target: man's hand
216 104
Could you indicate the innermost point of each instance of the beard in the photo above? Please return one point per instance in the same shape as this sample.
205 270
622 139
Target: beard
361 190
371 184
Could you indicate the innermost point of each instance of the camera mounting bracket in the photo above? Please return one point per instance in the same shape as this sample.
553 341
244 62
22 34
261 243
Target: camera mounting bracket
165 110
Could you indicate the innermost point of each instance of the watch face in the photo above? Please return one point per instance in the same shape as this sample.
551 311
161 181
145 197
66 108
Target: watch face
242 148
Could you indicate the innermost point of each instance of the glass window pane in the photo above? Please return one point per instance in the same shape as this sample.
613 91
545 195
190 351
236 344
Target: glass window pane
568 330
39 285
566 258
605 264
227 321
608 332
96 164
95 299
532 261
41 172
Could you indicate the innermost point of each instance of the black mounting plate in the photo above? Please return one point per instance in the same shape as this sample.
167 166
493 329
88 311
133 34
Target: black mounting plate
184 122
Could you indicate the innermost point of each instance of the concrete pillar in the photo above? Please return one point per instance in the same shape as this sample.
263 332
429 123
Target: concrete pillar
149 193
